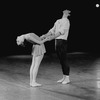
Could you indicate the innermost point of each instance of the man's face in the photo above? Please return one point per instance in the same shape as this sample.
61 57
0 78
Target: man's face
65 15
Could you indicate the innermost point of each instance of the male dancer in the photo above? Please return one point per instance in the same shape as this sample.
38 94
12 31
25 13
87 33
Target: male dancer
60 33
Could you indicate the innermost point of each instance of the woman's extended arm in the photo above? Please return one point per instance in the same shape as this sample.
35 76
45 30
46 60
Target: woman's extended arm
51 37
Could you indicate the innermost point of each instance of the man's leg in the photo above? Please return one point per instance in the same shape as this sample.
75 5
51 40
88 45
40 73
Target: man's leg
61 53
65 68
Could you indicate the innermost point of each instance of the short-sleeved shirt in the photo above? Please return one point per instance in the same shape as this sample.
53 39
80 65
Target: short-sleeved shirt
62 26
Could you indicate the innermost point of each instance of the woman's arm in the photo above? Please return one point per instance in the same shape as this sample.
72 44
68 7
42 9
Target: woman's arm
51 37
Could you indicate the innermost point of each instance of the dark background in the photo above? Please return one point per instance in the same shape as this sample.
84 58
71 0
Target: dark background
37 16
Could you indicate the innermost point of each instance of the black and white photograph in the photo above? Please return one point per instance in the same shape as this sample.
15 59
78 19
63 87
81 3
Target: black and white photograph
50 50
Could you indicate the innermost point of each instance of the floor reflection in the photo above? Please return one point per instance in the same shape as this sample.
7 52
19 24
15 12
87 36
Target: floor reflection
84 76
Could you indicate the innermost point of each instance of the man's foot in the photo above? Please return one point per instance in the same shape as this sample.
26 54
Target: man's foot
61 80
66 80
34 84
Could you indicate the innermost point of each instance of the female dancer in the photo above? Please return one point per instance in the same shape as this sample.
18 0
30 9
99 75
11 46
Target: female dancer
38 51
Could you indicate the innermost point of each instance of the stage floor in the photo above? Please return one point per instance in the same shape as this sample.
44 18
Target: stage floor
84 76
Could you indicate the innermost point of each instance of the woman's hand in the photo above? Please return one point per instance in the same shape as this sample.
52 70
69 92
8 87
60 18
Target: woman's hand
48 38
42 37
45 40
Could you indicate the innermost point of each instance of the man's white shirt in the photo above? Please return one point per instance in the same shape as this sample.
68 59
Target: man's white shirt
62 26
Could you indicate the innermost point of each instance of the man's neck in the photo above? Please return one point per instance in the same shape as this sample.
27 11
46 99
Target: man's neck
64 17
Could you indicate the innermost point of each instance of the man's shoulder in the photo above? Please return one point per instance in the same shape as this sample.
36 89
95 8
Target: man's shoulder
58 20
63 19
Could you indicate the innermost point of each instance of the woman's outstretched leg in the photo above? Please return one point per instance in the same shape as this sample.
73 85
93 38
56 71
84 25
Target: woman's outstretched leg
38 60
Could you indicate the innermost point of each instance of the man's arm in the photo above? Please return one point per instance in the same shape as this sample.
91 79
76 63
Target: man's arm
51 37
54 36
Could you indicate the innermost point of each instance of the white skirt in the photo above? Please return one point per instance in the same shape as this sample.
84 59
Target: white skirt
38 50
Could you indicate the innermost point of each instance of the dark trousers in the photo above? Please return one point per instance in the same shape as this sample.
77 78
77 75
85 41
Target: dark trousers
61 49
